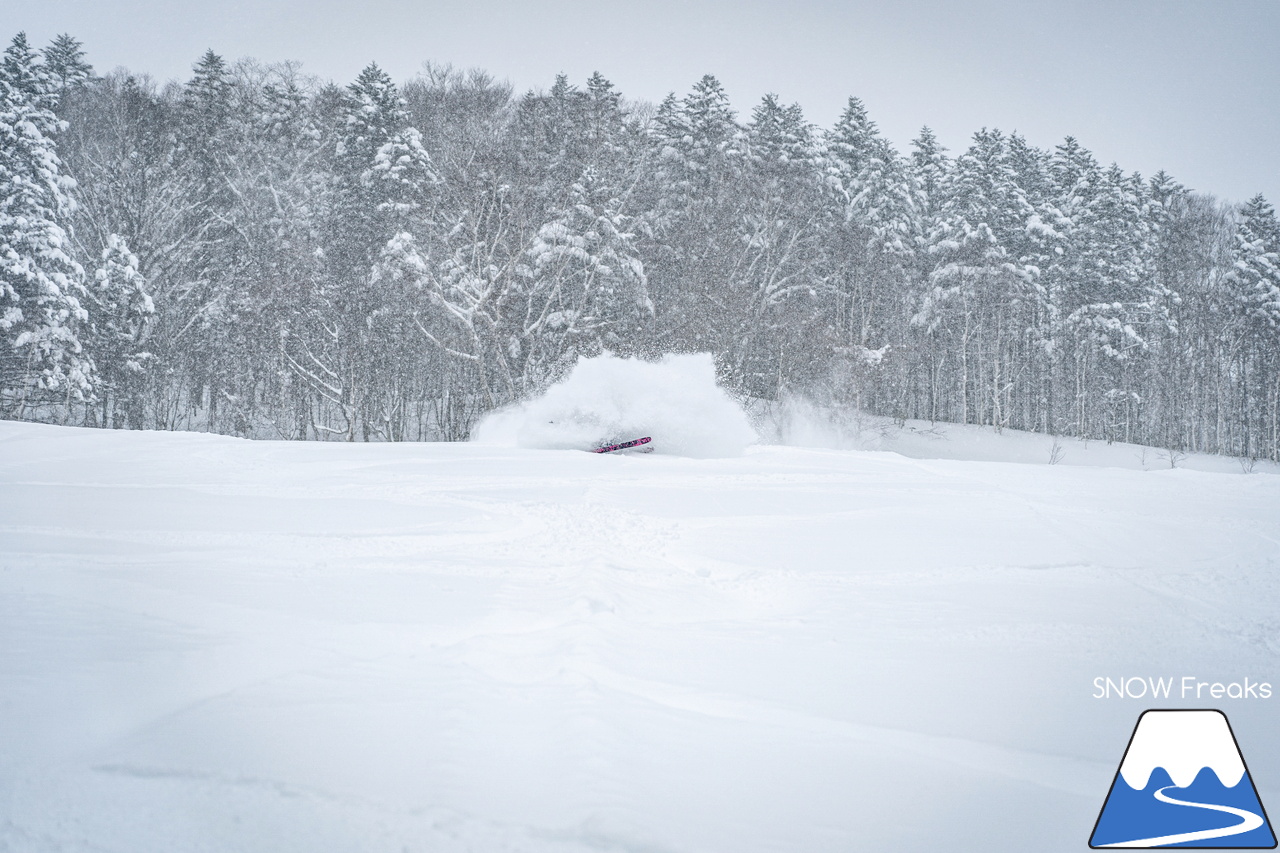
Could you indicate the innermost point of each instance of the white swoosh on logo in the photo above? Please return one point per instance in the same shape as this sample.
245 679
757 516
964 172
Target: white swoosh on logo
1249 821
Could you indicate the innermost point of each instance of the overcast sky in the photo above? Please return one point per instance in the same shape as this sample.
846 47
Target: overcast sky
1190 87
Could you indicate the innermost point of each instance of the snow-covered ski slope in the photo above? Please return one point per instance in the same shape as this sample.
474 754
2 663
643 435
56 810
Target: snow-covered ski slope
209 644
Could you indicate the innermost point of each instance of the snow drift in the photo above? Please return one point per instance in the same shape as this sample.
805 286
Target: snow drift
211 644
608 399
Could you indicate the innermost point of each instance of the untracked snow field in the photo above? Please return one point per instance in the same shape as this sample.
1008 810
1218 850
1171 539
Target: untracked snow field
211 644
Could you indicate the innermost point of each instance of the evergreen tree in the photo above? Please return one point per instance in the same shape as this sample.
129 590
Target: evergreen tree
777 337
372 118
404 174
373 113
700 143
209 294
982 290
877 214
1256 266
356 348
694 217
319 267
1161 199
1254 283
41 285
872 179
854 139
930 170
206 100
1110 311
929 167
65 63
711 131
779 135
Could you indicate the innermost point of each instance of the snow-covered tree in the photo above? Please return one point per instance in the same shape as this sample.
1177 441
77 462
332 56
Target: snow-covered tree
404 174
700 149
206 99
1256 266
1254 287
853 141
694 215
351 344
982 289
380 170
778 137
119 308
41 285
381 262
929 168
872 181
65 63
583 287
770 317
373 113
704 131
871 245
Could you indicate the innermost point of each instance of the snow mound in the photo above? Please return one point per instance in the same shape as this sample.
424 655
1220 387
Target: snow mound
608 399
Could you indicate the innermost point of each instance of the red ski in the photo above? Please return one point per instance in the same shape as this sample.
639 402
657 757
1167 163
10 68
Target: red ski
609 448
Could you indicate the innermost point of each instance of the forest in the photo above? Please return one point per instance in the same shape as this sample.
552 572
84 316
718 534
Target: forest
256 252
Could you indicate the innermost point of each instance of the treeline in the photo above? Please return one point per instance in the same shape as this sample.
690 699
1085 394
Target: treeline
257 253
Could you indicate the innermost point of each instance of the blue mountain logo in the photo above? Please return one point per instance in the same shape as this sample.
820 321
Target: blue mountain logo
1183 783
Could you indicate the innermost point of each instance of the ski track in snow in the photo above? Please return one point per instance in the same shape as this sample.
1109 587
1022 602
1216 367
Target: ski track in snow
212 644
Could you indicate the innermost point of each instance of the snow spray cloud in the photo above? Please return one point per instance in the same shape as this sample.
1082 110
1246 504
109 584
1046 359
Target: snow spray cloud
797 421
607 399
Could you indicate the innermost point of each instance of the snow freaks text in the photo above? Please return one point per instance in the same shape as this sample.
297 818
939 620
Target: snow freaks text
1185 687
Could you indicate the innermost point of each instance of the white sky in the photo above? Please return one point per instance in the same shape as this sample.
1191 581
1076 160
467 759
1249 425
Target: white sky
1191 87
